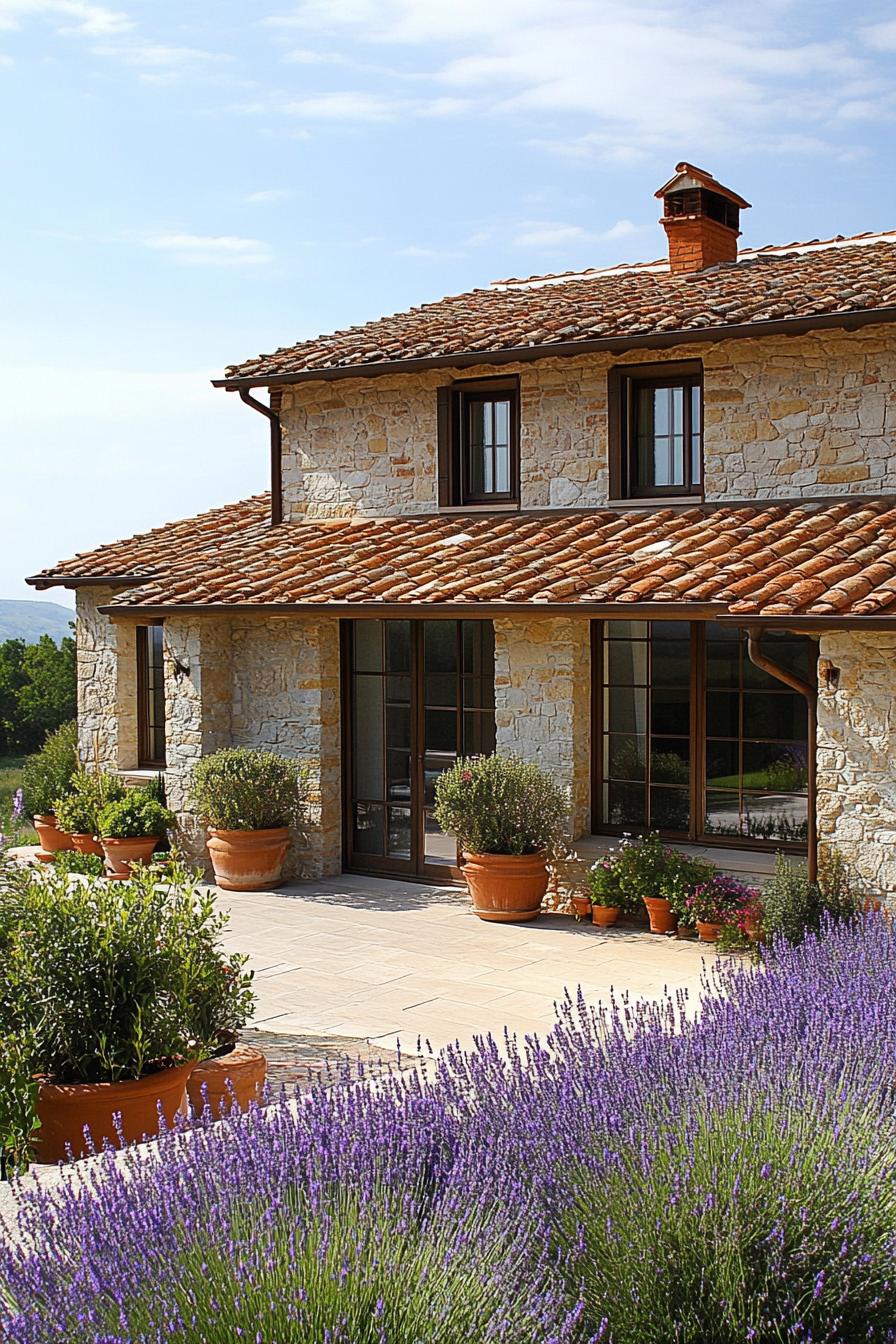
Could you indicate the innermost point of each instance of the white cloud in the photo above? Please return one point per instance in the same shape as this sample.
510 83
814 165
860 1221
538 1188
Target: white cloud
545 233
428 253
74 16
157 55
880 36
269 197
194 249
346 106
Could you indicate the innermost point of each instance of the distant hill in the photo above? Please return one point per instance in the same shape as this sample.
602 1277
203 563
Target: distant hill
29 620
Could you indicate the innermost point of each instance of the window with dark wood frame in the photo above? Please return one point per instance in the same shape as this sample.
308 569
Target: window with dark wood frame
150 697
656 430
479 442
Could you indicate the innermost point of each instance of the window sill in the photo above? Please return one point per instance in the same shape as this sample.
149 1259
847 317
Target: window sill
656 501
141 772
480 508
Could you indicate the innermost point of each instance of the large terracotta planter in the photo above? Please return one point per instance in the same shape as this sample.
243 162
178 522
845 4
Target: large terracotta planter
604 915
662 920
244 1067
506 888
52 840
86 844
65 1109
248 860
707 931
120 854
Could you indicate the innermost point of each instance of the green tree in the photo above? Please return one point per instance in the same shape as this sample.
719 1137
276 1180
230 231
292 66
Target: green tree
37 691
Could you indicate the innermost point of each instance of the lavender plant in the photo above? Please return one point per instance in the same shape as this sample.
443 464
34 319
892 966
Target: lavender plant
646 1175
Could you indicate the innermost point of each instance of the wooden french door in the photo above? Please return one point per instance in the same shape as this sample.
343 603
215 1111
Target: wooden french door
417 694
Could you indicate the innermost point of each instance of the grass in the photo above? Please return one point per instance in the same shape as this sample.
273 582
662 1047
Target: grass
10 780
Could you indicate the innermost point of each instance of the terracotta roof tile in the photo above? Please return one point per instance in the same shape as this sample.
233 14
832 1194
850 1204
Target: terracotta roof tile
764 558
802 280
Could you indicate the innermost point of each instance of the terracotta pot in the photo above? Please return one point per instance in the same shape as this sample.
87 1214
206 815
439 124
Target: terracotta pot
506 888
52 840
582 906
662 920
65 1109
86 844
244 1067
604 915
708 933
120 853
248 860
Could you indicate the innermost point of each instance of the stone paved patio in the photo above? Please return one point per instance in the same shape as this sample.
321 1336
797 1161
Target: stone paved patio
383 961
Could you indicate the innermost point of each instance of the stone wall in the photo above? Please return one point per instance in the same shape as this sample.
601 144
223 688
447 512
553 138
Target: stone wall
856 754
106 660
543 701
784 415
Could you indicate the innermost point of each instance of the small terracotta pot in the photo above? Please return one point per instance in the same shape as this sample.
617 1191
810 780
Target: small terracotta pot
65 1109
120 854
86 844
708 933
52 840
244 1067
659 910
604 915
248 860
506 888
582 906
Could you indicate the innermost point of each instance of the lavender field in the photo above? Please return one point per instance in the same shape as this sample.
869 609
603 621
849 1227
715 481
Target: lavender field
636 1178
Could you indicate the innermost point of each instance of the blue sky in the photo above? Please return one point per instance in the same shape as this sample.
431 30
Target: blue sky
191 182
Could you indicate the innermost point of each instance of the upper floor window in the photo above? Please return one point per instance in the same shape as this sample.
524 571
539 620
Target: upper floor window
479 442
150 697
656 430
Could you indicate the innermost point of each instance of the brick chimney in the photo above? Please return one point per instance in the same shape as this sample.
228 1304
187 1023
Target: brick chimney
701 219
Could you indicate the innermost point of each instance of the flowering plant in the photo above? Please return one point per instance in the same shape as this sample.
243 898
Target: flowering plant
603 882
723 900
501 805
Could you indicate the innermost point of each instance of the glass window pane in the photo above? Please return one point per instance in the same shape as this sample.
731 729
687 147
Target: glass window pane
439 846
779 766
399 835
624 757
398 646
670 809
671 712
776 817
440 730
625 710
626 629
398 726
479 648
502 422
722 713
625 663
369 829
434 764
441 690
478 693
792 654
625 805
368 646
670 760
502 469
398 690
479 734
723 651
398 775
439 646
778 716
723 765
671 653
367 737
722 814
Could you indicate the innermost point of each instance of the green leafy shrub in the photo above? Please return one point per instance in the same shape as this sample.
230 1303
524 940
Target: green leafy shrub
46 774
501 805
604 888
244 789
111 980
77 811
18 1104
71 861
647 867
134 816
792 906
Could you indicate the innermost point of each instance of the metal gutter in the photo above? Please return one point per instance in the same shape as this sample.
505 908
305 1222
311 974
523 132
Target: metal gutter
272 413
666 611
851 320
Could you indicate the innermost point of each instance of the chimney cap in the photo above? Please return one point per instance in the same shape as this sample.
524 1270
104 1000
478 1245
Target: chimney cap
688 176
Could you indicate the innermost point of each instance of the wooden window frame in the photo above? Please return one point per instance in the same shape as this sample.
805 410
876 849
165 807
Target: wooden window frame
622 382
453 474
146 755
697 832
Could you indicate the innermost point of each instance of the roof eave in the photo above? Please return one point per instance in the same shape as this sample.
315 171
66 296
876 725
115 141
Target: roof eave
43 581
786 326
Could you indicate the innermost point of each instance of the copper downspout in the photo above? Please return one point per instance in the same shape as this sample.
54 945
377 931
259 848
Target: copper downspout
273 414
810 692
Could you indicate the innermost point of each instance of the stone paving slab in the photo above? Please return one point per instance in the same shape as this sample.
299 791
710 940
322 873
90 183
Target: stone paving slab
393 962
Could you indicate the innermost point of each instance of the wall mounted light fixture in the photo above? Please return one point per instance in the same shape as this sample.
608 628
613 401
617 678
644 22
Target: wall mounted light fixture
828 674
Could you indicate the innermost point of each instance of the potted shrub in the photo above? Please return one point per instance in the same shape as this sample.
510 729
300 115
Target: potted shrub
129 830
722 901
118 988
45 776
249 799
77 811
509 817
606 896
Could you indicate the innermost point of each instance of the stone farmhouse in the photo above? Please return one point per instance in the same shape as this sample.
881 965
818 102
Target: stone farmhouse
635 523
